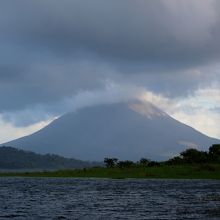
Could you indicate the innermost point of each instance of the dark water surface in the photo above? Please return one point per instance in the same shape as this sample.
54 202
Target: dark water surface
67 198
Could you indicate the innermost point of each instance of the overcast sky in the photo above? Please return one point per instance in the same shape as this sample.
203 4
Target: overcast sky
60 55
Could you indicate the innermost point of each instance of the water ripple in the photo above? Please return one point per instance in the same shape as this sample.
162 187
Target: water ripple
66 198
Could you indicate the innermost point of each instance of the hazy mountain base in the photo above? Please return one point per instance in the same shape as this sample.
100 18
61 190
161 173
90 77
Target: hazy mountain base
15 159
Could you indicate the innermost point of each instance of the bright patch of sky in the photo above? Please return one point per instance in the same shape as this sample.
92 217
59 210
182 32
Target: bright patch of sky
200 110
8 131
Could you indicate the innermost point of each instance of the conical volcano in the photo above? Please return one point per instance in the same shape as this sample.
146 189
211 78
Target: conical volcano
124 130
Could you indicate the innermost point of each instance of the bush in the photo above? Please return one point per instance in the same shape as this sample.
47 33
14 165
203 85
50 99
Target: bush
144 161
214 153
194 156
110 162
125 164
175 161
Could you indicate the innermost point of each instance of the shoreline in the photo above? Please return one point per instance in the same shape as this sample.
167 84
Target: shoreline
188 172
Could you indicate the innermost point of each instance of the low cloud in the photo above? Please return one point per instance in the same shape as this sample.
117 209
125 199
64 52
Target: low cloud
200 110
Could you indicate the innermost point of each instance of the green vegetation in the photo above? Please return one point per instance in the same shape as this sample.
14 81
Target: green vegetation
191 164
193 156
163 171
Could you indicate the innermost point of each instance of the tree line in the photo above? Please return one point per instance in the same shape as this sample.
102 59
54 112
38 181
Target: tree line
189 156
12 158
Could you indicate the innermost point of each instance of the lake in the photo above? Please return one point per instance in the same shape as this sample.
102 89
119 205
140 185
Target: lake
69 198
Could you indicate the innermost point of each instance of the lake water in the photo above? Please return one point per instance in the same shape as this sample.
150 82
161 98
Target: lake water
67 198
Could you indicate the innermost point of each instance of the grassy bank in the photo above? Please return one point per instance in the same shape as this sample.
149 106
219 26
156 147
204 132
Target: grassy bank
208 171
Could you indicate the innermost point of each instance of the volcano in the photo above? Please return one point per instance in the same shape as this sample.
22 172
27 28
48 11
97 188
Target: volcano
127 131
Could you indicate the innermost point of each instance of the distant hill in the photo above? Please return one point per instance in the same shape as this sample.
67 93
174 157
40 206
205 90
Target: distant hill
127 131
12 158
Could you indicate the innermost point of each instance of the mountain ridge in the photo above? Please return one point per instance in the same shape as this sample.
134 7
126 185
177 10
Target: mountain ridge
13 158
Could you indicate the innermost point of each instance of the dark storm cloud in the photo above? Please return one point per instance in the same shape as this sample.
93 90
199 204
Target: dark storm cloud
46 82
173 32
52 49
